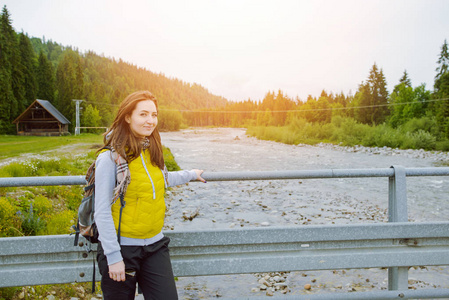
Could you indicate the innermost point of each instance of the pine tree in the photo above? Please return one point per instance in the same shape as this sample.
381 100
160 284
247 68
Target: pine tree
372 96
28 58
17 76
8 102
69 83
441 91
45 79
443 62
405 80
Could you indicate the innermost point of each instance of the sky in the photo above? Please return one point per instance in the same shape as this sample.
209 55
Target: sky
242 49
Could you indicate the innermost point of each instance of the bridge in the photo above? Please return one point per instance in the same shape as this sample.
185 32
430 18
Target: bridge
395 245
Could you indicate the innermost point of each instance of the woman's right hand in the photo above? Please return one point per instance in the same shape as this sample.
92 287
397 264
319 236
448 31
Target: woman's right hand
117 271
198 175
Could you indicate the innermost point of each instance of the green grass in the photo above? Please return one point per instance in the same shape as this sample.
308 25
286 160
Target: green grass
13 145
348 132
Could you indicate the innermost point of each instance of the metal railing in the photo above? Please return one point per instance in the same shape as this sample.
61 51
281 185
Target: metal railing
396 245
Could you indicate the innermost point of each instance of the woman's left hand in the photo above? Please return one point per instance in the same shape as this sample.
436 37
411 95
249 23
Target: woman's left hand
198 175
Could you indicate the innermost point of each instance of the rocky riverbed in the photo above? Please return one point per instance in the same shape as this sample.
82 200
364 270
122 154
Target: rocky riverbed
295 203
437 156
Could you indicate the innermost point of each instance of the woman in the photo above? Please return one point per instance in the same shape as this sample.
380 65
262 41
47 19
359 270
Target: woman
132 246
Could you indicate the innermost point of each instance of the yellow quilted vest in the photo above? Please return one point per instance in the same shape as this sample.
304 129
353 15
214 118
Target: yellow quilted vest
144 211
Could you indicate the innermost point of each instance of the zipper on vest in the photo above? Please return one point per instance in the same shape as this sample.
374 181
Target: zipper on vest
146 170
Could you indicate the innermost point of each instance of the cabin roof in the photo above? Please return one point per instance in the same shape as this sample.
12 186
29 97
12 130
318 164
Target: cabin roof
49 108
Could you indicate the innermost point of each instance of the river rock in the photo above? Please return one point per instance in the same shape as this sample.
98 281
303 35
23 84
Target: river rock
264 282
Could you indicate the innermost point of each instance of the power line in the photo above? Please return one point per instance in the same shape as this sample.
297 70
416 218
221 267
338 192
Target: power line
101 103
315 109
292 110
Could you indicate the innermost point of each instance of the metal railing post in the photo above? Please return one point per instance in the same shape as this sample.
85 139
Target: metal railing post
397 212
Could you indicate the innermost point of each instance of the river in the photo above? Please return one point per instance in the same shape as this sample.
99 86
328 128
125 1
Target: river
295 203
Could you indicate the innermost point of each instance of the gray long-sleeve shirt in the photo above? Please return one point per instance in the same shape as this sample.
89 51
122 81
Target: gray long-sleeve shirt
105 179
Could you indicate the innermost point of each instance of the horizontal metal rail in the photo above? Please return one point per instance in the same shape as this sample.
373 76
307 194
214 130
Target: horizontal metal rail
395 245
237 251
309 248
237 176
375 295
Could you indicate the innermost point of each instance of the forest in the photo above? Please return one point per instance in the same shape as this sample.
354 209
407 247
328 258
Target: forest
34 68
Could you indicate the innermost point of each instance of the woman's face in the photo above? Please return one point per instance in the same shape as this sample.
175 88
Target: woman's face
143 118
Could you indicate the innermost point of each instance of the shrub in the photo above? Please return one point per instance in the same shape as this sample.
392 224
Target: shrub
30 168
61 222
349 132
15 170
442 145
52 191
42 205
170 160
170 119
289 137
24 200
8 218
32 224
296 124
425 140
308 131
9 292
384 135
426 124
419 140
70 196
325 131
337 121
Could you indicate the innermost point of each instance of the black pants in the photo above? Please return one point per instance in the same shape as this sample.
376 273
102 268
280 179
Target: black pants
153 273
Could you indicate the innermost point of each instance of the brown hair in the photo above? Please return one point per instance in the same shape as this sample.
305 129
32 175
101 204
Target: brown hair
121 137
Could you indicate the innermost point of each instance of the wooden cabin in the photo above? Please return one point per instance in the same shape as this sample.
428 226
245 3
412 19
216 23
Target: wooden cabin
43 119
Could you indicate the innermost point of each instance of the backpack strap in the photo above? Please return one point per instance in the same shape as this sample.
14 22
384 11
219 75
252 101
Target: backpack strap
122 205
77 233
93 275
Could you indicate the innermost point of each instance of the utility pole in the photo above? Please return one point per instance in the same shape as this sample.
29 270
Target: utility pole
77 126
